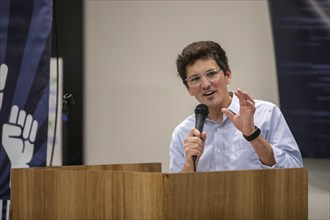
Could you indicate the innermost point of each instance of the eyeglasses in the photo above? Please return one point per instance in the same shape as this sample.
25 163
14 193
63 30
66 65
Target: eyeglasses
196 79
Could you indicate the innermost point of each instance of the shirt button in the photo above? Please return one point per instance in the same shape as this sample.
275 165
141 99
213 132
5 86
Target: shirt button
218 150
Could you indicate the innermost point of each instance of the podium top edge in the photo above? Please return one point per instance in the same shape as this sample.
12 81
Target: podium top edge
144 167
139 167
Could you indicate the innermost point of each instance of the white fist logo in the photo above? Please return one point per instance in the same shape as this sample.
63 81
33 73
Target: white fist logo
19 134
18 137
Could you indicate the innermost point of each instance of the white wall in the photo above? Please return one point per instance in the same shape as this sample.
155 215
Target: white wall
133 96
318 188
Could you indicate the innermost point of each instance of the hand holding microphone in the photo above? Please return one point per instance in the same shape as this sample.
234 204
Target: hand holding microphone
195 142
201 112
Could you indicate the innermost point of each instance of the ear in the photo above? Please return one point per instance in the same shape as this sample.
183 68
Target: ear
228 76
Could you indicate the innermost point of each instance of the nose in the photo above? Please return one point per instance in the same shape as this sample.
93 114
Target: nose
205 83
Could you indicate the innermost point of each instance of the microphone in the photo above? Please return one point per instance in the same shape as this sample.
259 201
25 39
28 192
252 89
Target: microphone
201 112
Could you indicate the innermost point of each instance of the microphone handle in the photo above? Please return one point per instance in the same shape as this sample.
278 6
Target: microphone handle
199 124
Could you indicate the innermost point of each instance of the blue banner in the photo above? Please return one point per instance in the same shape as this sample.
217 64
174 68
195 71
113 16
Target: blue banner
302 44
25 38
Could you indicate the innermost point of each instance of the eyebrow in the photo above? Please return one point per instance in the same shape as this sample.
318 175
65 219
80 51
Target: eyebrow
212 69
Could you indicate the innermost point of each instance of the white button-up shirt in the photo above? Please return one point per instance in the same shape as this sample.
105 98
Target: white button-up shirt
225 147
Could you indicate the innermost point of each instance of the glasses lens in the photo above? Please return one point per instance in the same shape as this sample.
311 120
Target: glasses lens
195 80
211 74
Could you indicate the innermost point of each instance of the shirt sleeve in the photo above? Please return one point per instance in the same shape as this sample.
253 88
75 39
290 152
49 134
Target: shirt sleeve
177 155
285 148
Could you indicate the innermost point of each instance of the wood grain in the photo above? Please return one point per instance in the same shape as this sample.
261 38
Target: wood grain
141 191
253 194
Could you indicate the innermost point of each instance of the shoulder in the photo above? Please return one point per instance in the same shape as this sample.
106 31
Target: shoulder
267 111
185 126
262 105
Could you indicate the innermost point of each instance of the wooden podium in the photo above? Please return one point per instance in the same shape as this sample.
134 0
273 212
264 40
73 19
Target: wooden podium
141 191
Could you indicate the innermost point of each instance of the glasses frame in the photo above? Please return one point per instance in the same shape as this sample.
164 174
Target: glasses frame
203 75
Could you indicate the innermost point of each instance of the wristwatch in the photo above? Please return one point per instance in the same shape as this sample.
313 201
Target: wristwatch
254 135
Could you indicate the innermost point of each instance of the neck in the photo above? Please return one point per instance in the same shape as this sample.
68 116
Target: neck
215 113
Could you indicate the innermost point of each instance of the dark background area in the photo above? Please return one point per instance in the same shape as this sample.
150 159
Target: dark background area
68 18
302 49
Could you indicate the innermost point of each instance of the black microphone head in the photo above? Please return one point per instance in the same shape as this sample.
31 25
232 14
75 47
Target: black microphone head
202 109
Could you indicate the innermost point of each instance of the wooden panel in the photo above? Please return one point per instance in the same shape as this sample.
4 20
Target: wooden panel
85 192
254 194
136 196
97 192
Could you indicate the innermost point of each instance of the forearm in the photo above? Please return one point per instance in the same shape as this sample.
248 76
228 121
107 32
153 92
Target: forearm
188 167
264 151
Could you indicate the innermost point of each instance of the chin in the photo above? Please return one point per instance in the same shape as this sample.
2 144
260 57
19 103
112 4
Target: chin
212 104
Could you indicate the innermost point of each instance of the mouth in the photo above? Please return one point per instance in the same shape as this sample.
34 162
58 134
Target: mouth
208 93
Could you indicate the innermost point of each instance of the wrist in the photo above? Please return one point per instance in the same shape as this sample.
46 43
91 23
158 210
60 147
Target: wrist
254 135
188 167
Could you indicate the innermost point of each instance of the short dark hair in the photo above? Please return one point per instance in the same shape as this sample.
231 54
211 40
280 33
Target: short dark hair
200 50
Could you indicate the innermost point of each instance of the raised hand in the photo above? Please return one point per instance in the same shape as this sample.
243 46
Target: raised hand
243 120
18 137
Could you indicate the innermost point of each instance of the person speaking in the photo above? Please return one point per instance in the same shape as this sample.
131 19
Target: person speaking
239 132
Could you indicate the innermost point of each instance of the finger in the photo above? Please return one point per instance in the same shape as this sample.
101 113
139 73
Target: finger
194 133
250 103
203 136
34 129
3 76
191 133
197 146
21 118
192 152
228 113
245 95
11 131
27 127
13 114
192 142
240 97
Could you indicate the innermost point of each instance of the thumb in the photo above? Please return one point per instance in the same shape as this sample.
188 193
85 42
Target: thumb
203 136
194 133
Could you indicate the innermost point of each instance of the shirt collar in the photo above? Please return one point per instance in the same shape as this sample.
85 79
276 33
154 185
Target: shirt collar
234 105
